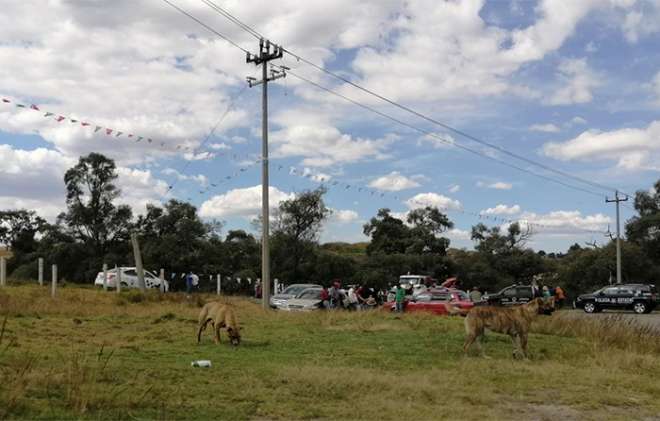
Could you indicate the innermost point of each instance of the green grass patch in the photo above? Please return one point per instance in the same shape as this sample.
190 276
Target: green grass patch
94 355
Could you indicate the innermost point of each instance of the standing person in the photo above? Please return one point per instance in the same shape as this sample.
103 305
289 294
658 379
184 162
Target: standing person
390 295
189 282
560 296
352 299
325 298
400 297
475 295
546 292
362 294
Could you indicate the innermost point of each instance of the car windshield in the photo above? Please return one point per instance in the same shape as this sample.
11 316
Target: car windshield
313 294
294 290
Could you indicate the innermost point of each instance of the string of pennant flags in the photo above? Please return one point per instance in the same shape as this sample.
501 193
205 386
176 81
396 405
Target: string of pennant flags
305 173
295 171
107 131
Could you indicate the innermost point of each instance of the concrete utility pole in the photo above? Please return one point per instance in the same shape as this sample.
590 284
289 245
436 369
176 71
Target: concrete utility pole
265 55
138 262
618 234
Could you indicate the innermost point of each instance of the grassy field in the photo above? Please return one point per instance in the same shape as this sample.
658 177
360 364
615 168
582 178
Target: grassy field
94 355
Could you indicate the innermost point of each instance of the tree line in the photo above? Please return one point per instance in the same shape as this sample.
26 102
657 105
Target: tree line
94 230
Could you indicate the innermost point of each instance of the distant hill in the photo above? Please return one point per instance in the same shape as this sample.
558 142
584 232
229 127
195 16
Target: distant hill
346 249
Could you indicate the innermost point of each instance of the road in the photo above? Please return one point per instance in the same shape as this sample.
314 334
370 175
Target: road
651 319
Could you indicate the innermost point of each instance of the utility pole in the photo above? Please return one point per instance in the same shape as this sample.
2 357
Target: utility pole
265 55
618 234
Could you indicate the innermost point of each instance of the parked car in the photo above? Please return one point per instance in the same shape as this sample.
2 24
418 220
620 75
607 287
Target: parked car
641 298
435 300
309 299
129 278
513 294
279 300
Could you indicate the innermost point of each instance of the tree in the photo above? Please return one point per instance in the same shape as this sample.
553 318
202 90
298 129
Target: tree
427 223
91 215
644 229
296 232
491 240
18 229
389 235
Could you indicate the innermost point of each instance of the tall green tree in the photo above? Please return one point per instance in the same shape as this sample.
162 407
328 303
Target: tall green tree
389 235
644 229
427 224
91 213
296 232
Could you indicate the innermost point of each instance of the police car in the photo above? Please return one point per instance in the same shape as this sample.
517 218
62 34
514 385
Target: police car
514 294
641 298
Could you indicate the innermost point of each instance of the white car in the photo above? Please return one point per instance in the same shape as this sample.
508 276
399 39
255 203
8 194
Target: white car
309 299
129 278
279 301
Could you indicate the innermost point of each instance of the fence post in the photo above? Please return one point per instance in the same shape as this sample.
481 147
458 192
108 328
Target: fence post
219 286
3 271
138 262
105 276
118 278
53 285
41 271
162 280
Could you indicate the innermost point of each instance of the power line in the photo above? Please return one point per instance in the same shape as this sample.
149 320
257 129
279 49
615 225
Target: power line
231 104
208 28
256 34
432 134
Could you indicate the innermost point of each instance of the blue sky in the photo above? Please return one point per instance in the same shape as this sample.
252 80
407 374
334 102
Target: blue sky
573 86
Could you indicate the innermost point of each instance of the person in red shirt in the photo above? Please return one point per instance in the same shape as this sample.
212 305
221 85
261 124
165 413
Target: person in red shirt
325 298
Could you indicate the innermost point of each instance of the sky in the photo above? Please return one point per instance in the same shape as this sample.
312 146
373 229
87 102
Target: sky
573 86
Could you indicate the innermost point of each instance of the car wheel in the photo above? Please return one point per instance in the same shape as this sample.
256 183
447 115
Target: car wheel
590 307
640 307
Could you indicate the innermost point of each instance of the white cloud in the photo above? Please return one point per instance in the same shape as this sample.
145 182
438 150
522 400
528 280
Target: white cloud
565 222
312 136
642 21
499 185
547 128
201 179
457 234
219 146
317 176
393 181
577 82
632 149
578 120
244 202
344 216
454 188
432 199
501 210
139 188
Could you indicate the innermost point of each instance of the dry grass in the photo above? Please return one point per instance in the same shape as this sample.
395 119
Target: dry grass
94 355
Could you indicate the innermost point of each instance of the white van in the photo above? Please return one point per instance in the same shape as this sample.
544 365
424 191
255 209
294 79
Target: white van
129 278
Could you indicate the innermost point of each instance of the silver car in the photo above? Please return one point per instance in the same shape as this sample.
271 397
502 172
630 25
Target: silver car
309 299
279 301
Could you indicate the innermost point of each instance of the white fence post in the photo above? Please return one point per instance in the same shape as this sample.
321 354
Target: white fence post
105 276
219 286
3 271
41 271
53 285
118 279
162 280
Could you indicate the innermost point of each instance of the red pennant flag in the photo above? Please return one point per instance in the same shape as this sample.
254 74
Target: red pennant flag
60 118
84 124
108 131
34 107
130 135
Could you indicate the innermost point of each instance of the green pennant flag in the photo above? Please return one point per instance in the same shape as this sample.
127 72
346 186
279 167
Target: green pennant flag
48 114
